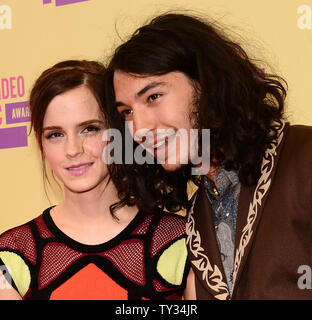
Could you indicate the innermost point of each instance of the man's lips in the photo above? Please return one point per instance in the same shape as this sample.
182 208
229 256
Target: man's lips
157 143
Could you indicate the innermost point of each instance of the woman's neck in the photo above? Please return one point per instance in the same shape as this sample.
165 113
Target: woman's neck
90 204
86 216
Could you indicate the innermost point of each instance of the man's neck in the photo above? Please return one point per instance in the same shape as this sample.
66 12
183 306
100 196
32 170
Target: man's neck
212 172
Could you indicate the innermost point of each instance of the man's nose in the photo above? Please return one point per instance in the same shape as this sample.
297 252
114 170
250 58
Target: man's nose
144 121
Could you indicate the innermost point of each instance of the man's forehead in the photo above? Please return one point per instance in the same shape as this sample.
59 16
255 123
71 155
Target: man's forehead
118 74
137 85
139 82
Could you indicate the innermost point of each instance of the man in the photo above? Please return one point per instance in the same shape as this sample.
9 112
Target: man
249 227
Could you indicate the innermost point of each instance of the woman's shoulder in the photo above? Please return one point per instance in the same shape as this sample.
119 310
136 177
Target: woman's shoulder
173 218
170 226
17 254
16 237
20 239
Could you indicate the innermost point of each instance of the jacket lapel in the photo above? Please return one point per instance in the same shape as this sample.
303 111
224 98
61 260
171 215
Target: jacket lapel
203 249
201 237
251 204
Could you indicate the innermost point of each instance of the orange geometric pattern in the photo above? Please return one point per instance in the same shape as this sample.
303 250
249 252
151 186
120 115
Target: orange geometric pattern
139 263
88 284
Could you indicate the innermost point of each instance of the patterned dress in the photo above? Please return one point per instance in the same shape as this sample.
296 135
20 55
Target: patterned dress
147 260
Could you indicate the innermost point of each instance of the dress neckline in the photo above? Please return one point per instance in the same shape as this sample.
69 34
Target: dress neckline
89 248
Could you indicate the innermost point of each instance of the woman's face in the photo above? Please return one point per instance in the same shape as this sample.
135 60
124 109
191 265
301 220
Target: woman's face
72 140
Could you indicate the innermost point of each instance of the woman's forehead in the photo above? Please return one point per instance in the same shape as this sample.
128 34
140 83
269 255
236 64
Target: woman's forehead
77 104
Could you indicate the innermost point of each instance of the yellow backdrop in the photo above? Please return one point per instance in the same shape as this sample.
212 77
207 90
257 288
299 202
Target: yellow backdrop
34 34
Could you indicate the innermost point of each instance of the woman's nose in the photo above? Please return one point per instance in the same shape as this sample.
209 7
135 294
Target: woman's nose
74 146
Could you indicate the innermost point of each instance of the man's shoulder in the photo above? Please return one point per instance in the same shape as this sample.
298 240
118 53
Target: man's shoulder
299 139
299 129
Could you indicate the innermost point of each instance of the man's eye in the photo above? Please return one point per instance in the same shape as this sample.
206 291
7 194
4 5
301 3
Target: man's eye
126 113
54 135
153 97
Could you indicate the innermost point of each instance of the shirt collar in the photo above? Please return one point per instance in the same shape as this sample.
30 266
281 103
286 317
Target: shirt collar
223 179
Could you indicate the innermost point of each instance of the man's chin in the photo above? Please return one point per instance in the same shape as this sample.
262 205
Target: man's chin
177 169
171 167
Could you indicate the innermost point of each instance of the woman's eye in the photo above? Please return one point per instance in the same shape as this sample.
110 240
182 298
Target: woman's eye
54 135
153 97
90 129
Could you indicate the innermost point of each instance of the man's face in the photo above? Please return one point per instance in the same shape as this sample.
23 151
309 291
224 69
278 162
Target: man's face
159 108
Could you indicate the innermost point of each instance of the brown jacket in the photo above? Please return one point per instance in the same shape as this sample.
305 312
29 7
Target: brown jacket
274 228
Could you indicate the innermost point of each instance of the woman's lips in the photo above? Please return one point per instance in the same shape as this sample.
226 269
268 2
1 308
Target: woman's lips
79 169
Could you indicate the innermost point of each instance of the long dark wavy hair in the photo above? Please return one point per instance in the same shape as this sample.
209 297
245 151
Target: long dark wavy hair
237 100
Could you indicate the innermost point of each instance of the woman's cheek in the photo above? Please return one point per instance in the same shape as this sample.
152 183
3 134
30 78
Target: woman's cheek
52 156
94 145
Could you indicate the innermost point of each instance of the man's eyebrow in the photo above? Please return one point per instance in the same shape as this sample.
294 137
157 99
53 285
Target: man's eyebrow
119 104
150 86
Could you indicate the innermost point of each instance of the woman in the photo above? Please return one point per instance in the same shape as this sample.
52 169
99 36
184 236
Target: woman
87 247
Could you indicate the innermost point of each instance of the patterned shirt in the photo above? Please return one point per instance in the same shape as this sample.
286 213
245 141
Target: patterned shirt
223 195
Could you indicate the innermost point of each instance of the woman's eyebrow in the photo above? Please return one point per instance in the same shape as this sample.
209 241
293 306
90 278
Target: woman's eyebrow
84 123
92 121
51 128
